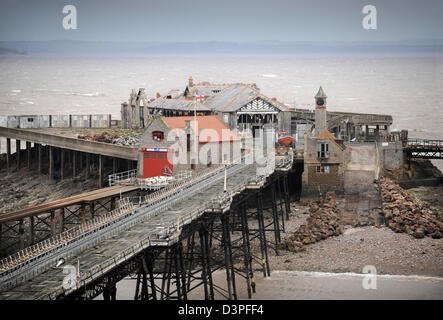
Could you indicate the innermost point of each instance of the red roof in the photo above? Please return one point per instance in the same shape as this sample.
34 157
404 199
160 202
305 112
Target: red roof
211 128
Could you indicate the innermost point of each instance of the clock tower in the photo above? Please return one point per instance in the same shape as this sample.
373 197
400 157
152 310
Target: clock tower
320 112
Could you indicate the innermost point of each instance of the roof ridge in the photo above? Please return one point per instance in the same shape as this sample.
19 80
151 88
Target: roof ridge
276 100
235 97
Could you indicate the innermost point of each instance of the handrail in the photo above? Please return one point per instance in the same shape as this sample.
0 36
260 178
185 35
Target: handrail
125 208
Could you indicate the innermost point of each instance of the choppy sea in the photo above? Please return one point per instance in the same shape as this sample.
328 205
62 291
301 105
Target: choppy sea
408 87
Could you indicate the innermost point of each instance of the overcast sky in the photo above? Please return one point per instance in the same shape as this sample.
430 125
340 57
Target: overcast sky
221 20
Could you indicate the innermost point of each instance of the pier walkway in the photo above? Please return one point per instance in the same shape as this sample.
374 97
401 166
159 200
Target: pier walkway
424 149
119 238
59 141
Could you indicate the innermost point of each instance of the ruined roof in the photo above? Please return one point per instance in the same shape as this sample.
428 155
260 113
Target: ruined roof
236 96
211 128
208 90
327 135
175 94
177 104
321 94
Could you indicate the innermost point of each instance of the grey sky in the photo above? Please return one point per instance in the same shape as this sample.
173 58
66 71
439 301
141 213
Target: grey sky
221 20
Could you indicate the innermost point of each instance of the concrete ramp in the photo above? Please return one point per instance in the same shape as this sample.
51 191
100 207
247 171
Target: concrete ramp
362 168
362 199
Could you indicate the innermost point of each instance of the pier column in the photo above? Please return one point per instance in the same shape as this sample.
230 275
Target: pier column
8 153
92 209
100 171
62 163
80 161
62 220
17 150
51 162
31 227
28 154
88 161
52 223
83 213
39 150
21 232
74 158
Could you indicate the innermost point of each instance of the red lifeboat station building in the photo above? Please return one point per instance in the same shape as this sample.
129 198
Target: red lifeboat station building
156 163
156 157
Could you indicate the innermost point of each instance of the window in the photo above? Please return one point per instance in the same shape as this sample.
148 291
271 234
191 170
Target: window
322 169
30 119
323 150
158 135
188 142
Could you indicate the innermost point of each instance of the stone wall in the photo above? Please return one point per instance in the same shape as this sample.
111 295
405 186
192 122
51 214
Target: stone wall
392 155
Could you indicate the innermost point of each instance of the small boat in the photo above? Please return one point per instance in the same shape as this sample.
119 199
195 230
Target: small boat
284 138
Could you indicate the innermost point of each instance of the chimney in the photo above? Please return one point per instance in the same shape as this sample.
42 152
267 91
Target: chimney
158 95
320 112
190 82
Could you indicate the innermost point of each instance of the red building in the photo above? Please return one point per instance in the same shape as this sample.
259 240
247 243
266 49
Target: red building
155 162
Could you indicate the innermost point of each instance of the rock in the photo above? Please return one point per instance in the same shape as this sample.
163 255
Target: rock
436 235
323 222
405 213
419 233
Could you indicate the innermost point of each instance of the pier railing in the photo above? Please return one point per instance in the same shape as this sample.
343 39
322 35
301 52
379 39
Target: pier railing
425 144
28 262
123 178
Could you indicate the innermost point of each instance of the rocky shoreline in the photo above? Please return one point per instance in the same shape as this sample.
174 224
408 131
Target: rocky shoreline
323 222
391 249
27 188
405 213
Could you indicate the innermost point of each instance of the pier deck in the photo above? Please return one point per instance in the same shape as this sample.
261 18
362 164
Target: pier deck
65 202
67 142
94 260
